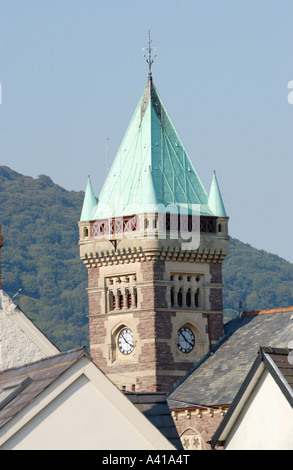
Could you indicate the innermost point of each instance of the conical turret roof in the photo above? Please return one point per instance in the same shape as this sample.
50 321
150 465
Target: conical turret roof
89 203
215 199
151 167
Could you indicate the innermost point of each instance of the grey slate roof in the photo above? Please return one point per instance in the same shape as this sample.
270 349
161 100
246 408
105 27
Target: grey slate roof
276 360
20 385
155 407
217 378
282 369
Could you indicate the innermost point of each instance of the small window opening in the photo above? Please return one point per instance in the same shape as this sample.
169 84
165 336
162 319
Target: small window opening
134 297
112 301
196 295
129 300
121 300
188 298
179 298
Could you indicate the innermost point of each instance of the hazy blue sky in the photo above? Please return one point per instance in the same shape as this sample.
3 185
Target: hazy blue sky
72 73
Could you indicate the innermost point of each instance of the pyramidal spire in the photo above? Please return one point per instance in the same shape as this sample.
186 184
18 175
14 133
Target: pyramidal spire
151 161
89 203
215 199
151 164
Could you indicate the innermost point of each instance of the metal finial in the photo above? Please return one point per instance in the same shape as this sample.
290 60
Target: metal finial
148 57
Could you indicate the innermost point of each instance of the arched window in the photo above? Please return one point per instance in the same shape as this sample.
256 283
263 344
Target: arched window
112 301
172 296
85 232
121 292
129 299
192 440
196 298
179 298
188 298
134 297
120 300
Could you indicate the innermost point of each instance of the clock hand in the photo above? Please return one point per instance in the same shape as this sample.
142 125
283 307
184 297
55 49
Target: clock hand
184 337
126 340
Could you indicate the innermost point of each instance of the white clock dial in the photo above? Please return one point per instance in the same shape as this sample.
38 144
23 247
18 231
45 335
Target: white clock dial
186 339
125 341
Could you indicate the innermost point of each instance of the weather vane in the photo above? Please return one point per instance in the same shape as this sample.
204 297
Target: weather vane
149 58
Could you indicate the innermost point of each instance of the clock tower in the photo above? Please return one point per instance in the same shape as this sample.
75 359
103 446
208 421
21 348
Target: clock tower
153 244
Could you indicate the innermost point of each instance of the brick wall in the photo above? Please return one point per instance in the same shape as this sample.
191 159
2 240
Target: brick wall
154 360
216 272
197 427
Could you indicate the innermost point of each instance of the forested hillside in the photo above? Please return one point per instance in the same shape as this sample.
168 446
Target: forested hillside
41 257
259 279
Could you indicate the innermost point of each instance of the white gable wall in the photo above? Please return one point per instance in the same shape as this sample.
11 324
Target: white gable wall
16 347
78 419
82 410
266 420
21 341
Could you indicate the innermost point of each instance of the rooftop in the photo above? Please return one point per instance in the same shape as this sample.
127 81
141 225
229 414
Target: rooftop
215 380
278 363
283 366
152 169
155 407
20 385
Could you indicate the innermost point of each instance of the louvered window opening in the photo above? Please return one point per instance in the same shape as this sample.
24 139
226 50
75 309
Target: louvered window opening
123 300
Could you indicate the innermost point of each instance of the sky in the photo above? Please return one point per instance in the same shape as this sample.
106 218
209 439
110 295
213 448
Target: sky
73 71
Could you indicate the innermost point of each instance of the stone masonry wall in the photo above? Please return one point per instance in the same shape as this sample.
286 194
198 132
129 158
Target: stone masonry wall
216 325
196 427
156 364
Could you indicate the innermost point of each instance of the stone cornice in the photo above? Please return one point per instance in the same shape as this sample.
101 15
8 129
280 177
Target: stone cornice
198 411
104 258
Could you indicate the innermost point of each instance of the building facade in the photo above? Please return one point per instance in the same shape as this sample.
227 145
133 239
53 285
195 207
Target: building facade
153 243
201 401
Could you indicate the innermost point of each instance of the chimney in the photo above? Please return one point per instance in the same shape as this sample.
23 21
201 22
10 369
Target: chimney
1 244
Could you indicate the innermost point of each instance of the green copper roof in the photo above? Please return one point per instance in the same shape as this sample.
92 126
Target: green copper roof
215 199
151 167
89 203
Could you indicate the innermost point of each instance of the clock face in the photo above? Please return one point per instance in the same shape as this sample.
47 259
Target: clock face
125 341
186 339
